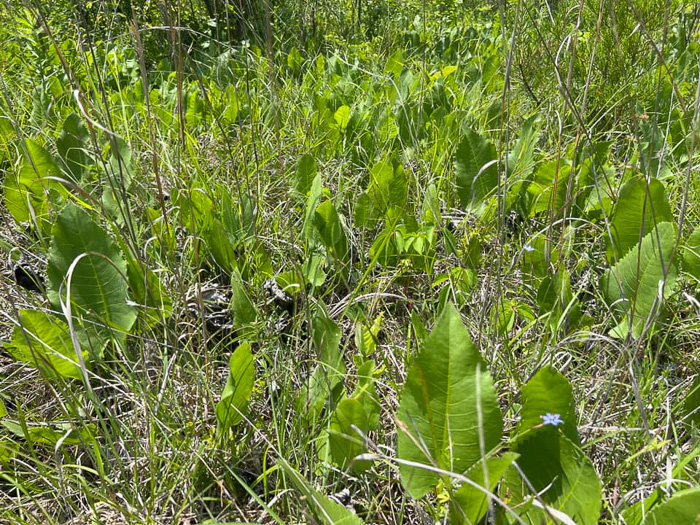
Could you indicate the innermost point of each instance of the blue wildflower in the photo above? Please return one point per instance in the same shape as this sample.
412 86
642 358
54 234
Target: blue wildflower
552 419
529 248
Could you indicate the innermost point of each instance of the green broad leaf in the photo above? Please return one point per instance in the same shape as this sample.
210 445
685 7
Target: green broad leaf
690 409
344 441
430 208
121 162
555 297
30 193
476 169
305 173
239 387
342 117
335 514
366 337
230 113
331 232
447 405
691 254
365 214
313 269
238 217
683 508
366 394
3 410
638 209
98 288
326 339
520 158
548 392
146 289
388 186
8 450
312 201
44 342
394 65
326 510
220 245
560 472
550 456
534 258
469 504
195 209
242 308
632 286
327 379
51 435
548 189
72 145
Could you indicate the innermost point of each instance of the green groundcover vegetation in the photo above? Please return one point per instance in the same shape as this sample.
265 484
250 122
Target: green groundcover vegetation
355 261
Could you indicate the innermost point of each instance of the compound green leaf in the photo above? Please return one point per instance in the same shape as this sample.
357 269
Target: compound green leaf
447 405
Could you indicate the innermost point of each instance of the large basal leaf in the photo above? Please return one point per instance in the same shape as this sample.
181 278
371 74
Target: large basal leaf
242 307
632 286
560 472
44 342
315 193
550 457
388 185
326 510
98 289
305 174
691 254
30 193
682 509
555 297
638 209
469 504
344 442
520 161
447 405
147 290
477 173
239 387
549 188
71 145
548 392
331 232
326 381
62 434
